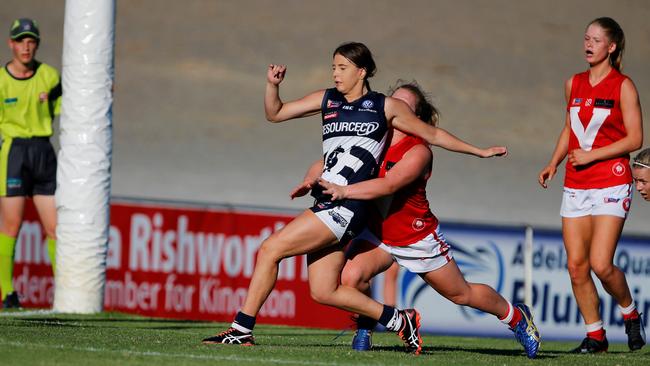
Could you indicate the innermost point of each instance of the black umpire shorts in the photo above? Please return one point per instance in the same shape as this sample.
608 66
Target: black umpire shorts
27 167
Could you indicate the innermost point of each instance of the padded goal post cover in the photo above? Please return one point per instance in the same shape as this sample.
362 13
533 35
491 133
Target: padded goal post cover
83 175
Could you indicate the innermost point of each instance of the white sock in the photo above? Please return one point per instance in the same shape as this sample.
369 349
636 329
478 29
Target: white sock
240 328
593 327
627 310
395 323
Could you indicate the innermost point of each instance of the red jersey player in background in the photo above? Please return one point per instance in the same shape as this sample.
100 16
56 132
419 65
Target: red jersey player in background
408 232
603 125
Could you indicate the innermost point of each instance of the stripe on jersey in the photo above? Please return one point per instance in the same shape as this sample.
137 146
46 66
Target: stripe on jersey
354 136
350 159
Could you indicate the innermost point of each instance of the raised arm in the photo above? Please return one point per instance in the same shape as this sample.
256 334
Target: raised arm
401 117
412 165
633 140
276 110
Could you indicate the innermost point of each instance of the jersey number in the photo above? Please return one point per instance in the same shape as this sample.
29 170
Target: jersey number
336 160
586 136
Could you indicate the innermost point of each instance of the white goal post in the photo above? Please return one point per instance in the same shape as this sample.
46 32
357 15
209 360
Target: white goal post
84 160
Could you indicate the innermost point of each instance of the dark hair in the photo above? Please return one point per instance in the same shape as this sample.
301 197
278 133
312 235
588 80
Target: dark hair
615 34
360 56
424 108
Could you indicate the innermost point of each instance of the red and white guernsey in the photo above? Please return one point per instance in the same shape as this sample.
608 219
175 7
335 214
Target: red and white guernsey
408 218
597 121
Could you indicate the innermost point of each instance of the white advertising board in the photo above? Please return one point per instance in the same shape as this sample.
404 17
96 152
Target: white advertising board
495 256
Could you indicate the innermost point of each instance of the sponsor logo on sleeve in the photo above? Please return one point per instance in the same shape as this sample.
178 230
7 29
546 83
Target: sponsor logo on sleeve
333 103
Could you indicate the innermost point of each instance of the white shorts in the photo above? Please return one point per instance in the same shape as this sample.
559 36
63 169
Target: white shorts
614 201
424 256
345 220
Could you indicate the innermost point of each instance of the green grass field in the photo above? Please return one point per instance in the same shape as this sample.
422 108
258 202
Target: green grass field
43 338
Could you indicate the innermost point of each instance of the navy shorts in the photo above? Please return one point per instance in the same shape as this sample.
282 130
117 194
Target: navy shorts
27 167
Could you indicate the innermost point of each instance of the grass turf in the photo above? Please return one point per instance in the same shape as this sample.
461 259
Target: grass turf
43 338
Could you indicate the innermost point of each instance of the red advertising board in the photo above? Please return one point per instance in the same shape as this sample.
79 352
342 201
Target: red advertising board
181 262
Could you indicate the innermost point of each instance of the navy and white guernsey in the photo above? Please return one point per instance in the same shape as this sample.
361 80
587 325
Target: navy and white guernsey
354 136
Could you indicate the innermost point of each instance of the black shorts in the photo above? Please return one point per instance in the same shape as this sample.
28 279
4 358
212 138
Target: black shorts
27 167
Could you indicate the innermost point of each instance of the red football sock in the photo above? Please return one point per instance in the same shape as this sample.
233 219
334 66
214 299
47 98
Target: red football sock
598 335
633 315
516 317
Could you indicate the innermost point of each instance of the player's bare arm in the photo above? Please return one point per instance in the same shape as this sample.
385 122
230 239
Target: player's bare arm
414 163
311 177
562 145
276 110
401 117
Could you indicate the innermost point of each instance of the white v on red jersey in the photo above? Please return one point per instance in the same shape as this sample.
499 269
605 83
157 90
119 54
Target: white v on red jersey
597 121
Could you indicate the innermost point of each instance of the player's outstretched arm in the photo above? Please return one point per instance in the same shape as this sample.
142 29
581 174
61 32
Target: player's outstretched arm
276 110
402 118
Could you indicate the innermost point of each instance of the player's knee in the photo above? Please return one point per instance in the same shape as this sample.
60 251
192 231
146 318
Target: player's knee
270 251
322 296
352 277
51 233
579 271
10 226
460 298
603 270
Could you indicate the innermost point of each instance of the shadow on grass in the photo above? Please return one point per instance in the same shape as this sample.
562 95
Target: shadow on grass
431 350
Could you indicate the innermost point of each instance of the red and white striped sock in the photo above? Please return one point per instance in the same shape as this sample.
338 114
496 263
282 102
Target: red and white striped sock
513 316
596 331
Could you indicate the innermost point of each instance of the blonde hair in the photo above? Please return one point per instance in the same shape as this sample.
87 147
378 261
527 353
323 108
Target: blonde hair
615 34
642 159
